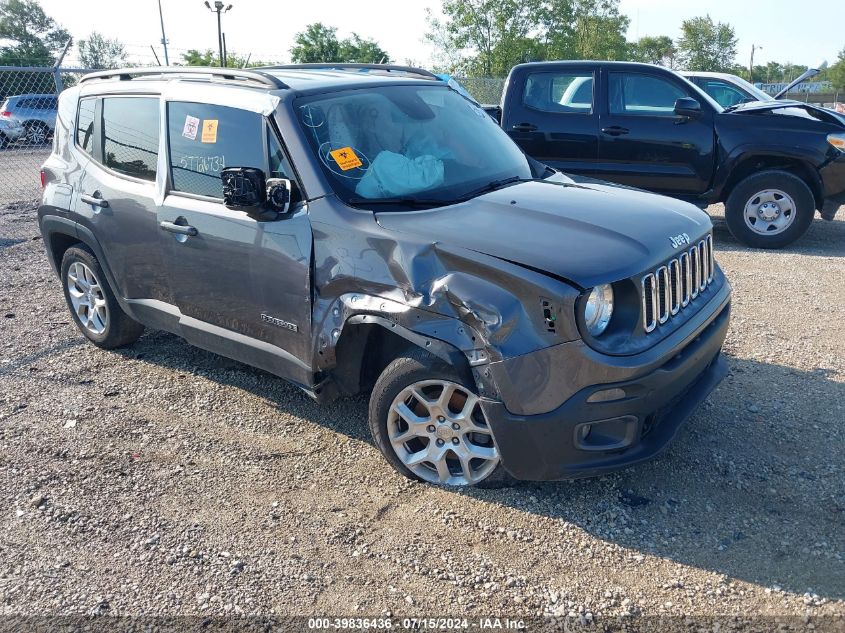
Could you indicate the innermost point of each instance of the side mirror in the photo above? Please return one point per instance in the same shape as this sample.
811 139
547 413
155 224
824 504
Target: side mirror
244 189
279 194
688 107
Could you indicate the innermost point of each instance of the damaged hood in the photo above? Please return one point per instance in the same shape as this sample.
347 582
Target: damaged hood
585 234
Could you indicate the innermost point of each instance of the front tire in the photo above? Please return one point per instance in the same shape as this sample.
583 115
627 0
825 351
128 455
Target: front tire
428 424
770 210
92 303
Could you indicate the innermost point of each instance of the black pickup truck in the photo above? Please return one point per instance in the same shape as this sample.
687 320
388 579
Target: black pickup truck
772 163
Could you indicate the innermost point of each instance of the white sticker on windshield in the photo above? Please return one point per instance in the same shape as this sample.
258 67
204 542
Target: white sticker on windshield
192 125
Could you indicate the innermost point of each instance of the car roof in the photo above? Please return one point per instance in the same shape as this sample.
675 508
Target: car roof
31 96
301 78
698 73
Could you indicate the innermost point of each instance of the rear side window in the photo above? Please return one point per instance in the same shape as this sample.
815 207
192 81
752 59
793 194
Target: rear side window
130 135
85 125
631 93
559 92
204 139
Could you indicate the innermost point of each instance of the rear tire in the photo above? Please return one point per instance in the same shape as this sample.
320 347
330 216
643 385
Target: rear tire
426 420
92 303
770 209
4 141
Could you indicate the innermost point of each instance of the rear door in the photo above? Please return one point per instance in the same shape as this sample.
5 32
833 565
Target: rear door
644 144
242 286
118 138
551 116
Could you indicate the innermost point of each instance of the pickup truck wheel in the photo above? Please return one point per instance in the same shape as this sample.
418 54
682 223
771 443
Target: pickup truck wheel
770 209
428 423
92 303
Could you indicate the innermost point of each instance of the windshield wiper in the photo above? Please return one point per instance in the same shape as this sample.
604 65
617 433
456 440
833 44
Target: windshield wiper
407 201
494 185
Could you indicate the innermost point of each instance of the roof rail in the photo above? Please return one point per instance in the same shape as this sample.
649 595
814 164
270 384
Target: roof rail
190 72
410 70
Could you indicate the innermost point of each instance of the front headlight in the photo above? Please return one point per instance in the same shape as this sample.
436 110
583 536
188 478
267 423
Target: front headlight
598 309
837 140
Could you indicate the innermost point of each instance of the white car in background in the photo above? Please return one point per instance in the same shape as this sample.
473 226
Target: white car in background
10 131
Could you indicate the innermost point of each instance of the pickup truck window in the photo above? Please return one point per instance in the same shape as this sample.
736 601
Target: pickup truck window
645 95
559 92
411 141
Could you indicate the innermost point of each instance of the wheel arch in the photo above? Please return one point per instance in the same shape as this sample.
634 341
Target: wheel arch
369 343
750 165
60 234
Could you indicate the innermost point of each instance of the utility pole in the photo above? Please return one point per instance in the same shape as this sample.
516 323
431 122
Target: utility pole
219 8
163 37
751 63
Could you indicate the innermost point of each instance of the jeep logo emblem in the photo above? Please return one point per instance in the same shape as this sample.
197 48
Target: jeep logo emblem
679 240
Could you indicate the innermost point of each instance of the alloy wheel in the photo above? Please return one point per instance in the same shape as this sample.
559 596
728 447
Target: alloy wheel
439 432
87 298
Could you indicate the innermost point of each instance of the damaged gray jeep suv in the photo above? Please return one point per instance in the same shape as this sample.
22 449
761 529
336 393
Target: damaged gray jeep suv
368 228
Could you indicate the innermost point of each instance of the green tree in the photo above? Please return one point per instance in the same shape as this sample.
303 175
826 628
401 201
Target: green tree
486 37
654 50
706 45
100 52
319 43
600 30
356 49
33 38
209 57
836 73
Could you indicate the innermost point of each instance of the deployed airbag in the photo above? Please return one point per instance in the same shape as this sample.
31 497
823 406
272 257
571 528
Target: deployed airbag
392 174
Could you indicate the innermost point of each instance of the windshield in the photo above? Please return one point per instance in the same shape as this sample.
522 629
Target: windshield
752 89
419 143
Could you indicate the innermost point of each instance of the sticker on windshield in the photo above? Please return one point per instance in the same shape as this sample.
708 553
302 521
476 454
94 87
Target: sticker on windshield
209 131
345 158
192 126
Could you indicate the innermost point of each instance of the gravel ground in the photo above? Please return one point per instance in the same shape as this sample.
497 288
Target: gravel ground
162 479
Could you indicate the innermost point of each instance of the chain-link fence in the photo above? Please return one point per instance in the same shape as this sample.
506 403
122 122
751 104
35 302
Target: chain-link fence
28 108
486 90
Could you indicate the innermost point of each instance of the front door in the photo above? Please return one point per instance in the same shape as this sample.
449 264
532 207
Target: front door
242 286
644 144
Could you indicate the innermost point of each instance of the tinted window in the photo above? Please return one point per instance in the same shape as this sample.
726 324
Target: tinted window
130 135
559 92
631 93
205 139
85 125
725 94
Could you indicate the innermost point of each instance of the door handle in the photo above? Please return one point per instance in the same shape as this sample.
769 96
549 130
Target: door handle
524 127
178 228
615 130
95 199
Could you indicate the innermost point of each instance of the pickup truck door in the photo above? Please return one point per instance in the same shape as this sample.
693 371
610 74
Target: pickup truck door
551 116
242 286
644 144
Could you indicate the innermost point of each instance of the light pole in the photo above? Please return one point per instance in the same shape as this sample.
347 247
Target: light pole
219 8
163 36
751 63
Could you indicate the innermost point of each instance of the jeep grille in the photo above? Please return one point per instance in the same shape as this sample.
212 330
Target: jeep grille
672 287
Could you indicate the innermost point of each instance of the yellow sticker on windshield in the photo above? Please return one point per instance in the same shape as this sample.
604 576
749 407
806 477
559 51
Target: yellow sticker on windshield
345 158
209 131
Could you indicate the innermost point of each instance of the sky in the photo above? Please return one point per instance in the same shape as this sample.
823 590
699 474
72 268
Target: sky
265 28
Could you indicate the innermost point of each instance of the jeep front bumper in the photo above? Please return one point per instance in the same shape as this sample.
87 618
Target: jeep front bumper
610 425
